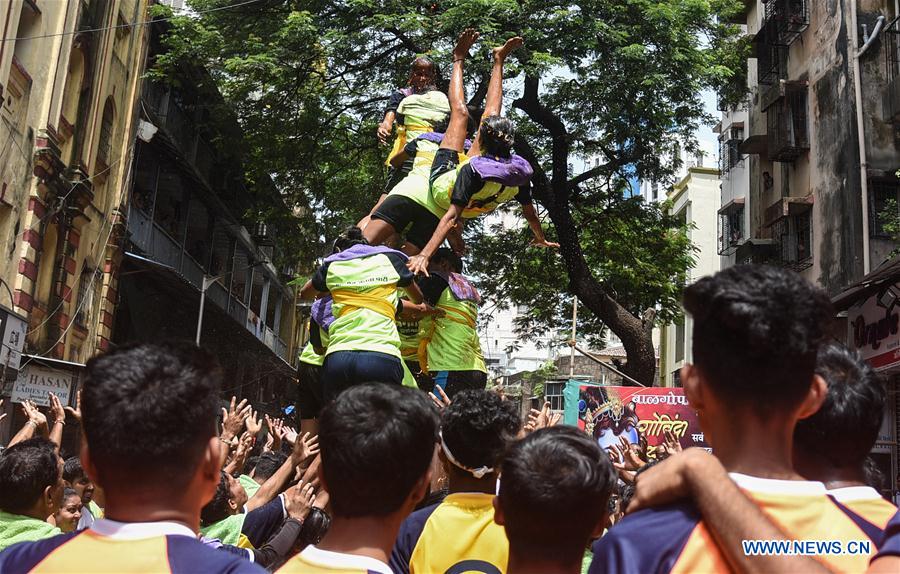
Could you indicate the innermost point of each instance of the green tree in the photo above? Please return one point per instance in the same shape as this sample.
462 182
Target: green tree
617 79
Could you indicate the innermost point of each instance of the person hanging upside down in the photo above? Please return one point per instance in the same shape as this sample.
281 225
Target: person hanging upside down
491 174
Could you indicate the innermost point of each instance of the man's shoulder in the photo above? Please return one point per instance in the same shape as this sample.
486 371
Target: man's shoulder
415 522
190 555
24 556
627 546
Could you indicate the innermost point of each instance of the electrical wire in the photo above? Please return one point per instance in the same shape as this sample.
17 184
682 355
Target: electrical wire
133 24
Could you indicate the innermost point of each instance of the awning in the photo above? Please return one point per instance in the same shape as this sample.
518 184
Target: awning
887 273
732 206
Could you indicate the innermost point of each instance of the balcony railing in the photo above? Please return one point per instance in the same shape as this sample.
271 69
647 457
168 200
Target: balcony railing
156 244
790 18
788 132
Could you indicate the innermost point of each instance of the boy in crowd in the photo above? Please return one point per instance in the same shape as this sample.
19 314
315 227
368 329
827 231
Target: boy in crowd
553 499
377 442
149 421
31 489
476 429
75 478
757 330
831 446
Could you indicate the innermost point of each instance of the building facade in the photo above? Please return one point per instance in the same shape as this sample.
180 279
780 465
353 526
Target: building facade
810 156
695 200
69 78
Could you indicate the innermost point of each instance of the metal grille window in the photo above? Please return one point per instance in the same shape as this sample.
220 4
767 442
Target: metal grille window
731 228
729 152
793 237
789 19
788 134
771 58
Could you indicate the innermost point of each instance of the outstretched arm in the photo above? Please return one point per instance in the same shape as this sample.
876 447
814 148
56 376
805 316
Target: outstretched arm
419 263
729 514
494 99
534 223
386 126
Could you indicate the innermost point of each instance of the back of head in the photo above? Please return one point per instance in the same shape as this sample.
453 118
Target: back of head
351 236
377 441
498 134
217 508
477 428
843 431
446 257
554 488
149 412
72 469
268 464
756 333
26 470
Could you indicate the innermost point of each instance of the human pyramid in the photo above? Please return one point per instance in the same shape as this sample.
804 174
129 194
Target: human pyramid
382 480
393 306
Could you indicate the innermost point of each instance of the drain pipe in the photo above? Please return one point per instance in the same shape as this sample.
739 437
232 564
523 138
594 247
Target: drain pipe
860 125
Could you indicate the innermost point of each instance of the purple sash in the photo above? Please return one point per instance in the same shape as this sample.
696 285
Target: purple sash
513 171
362 250
437 138
321 312
461 288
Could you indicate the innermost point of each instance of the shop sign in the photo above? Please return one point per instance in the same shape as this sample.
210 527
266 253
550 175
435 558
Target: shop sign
875 333
13 329
36 382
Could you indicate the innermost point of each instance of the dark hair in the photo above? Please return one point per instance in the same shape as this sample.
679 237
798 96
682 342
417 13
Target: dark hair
268 464
72 469
26 469
377 441
149 411
351 236
315 526
497 136
554 491
478 426
441 126
756 333
845 428
446 255
67 492
423 61
217 508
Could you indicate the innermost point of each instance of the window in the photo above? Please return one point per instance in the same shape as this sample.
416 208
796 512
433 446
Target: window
104 144
553 394
729 153
793 238
731 227
679 340
788 136
86 290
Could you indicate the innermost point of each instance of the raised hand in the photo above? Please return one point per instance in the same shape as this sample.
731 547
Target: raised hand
304 448
254 423
35 416
289 434
465 42
59 413
443 402
299 499
630 454
76 412
233 418
673 445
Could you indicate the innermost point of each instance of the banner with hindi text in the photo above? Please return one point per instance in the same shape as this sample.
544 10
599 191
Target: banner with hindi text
608 412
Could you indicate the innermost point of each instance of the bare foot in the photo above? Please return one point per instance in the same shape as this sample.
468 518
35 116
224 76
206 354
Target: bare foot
466 40
506 49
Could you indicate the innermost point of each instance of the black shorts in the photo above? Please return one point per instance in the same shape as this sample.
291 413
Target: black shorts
423 379
444 160
310 394
402 212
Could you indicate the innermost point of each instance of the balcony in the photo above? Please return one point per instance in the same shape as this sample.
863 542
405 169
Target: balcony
790 222
755 251
731 226
157 245
789 19
786 119
771 57
729 154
